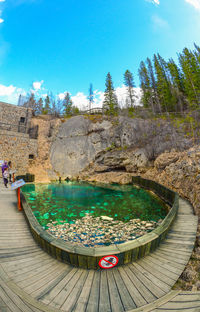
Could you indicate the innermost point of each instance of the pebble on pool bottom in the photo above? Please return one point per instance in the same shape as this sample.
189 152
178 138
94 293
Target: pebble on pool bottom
95 232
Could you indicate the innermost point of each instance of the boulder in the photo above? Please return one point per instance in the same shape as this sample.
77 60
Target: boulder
166 159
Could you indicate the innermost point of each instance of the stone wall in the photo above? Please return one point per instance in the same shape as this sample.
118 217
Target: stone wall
17 147
14 118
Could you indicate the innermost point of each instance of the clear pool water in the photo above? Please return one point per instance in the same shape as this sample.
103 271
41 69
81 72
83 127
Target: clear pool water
73 200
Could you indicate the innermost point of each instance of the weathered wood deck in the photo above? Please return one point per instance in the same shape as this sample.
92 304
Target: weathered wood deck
30 280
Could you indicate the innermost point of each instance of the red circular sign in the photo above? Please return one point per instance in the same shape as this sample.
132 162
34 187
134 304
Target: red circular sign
108 262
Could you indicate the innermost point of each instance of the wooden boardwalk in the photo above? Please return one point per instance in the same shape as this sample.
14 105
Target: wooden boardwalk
30 280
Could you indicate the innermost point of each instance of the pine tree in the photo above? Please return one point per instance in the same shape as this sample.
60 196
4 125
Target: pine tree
30 102
147 99
191 69
197 53
166 98
39 107
176 78
110 103
47 108
129 83
91 96
154 92
67 104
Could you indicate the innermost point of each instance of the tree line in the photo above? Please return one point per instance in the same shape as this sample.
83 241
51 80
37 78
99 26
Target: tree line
171 87
50 105
55 106
166 87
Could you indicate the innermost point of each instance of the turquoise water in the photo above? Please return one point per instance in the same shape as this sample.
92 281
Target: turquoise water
73 200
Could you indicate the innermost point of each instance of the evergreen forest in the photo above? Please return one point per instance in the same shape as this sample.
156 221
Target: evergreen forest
167 86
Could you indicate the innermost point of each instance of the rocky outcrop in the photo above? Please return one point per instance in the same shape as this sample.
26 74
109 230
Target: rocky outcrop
111 144
41 166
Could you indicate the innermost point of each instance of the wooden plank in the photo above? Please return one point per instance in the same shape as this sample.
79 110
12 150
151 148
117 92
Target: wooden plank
3 306
189 297
41 292
132 287
93 301
181 235
176 258
26 262
43 280
168 250
125 296
172 265
151 306
182 242
152 286
181 305
19 273
28 299
104 298
58 301
171 271
71 300
13 302
48 297
159 272
156 280
81 303
28 277
143 289
34 309
115 300
179 310
18 255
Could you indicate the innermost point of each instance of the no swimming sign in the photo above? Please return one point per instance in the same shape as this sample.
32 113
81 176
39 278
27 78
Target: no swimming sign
108 262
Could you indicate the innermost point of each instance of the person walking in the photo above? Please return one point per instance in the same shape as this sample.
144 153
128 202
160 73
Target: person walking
5 165
5 177
10 171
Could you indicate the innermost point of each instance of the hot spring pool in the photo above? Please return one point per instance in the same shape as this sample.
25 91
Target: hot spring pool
94 215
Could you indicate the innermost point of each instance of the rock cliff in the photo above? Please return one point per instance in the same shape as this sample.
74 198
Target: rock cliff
112 144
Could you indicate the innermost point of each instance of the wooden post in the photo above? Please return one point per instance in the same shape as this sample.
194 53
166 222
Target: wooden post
19 200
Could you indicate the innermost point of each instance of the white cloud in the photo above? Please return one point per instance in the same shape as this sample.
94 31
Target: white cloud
80 100
121 93
194 3
156 2
2 0
61 96
1 20
10 94
37 85
159 22
6 91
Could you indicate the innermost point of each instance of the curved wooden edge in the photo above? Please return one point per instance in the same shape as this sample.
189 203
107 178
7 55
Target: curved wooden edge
89 257
151 306
30 300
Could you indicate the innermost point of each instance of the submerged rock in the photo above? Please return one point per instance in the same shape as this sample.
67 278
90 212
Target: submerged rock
93 232
106 218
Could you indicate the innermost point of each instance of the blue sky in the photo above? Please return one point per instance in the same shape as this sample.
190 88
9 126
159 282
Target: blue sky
65 45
